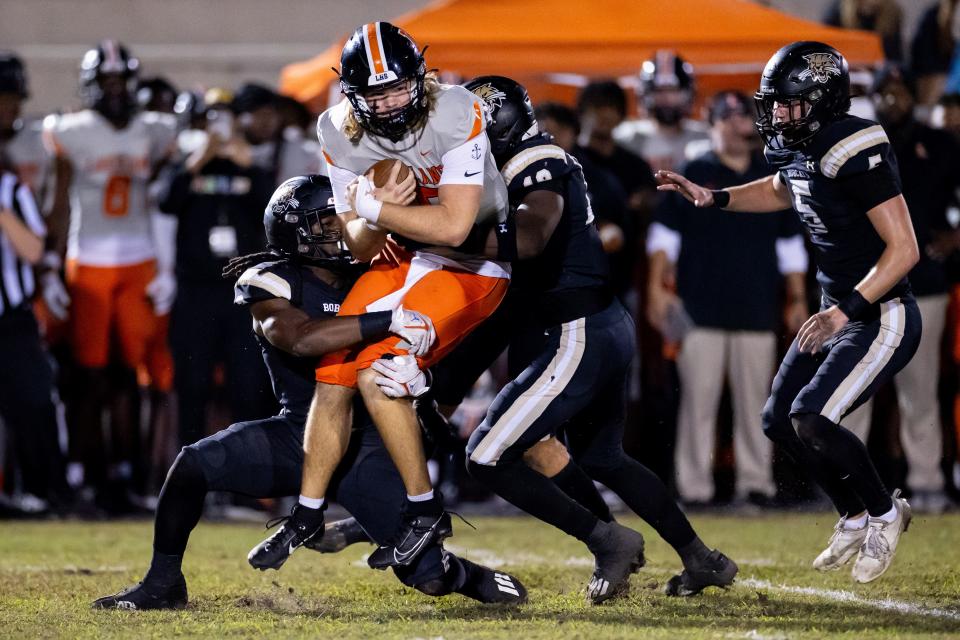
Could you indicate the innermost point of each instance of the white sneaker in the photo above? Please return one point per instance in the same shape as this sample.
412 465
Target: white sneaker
878 547
843 545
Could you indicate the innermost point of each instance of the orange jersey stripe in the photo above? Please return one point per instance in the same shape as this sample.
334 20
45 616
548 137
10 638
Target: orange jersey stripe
477 122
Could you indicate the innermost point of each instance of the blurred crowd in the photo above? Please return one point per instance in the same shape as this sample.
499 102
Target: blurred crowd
120 342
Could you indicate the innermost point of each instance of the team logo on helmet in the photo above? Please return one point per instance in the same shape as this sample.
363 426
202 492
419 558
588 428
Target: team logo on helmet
285 200
490 95
820 66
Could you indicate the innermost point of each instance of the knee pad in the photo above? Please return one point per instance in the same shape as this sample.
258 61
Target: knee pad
775 426
809 427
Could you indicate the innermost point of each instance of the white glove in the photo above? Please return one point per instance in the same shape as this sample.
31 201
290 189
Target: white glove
415 328
400 377
162 290
55 295
367 207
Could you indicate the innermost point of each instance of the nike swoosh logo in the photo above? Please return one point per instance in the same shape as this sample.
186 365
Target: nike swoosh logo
400 557
291 548
467 174
424 153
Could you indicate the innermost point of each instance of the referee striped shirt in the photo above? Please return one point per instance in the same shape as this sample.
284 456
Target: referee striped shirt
17 284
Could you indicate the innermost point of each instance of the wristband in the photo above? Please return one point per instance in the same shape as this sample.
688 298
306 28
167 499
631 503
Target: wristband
721 198
507 239
367 206
853 305
375 324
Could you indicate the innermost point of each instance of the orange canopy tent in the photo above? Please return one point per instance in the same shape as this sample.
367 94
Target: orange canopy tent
550 43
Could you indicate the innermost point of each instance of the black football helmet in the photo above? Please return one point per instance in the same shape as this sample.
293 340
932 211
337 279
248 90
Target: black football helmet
116 100
810 77
296 225
667 71
509 113
379 56
13 78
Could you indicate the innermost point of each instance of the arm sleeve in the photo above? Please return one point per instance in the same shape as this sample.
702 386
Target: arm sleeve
792 255
663 238
339 180
465 164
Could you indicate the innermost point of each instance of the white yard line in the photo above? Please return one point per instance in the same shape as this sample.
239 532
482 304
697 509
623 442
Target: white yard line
837 595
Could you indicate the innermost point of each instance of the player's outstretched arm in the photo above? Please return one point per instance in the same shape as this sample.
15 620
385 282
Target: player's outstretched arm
760 196
292 330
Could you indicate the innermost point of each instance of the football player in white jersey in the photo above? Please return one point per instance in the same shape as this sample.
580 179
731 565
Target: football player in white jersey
119 257
438 220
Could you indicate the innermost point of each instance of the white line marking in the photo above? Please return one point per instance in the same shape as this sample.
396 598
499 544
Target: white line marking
848 596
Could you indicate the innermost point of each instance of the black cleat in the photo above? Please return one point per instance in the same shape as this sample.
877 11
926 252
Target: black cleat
274 551
146 595
619 552
416 534
491 587
337 536
717 571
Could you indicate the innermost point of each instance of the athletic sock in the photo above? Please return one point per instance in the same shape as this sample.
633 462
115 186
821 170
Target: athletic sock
307 518
311 503
425 504
693 553
647 496
857 523
165 569
536 494
889 516
578 485
845 454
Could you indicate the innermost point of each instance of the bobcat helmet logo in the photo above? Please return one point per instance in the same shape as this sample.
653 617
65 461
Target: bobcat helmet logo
820 66
492 99
285 201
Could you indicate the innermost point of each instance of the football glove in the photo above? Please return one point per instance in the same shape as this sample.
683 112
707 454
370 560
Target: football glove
415 328
400 377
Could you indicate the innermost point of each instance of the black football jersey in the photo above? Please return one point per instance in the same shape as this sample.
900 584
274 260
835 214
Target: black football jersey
292 377
847 169
573 257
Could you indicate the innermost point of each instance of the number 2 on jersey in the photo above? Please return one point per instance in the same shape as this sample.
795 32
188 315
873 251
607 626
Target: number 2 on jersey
116 196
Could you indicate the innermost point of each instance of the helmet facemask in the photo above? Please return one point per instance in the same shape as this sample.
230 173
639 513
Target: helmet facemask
806 113
318 242
394 123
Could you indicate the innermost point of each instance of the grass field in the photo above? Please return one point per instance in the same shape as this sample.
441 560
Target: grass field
49 573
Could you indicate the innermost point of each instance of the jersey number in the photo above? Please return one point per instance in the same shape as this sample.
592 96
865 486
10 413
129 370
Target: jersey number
801 188
427 195
116 196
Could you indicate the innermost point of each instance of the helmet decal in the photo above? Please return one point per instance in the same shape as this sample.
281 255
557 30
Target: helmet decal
820 66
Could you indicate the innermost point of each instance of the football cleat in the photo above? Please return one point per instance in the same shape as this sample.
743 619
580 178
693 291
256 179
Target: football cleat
717 570
416 534
619 553
274 551
337 536
880 543
843 545
146 595
491 587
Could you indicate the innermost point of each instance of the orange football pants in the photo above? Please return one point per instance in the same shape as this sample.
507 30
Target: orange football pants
109 307
455 300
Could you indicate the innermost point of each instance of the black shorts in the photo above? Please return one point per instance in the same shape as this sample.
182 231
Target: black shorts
264 459
848 371
576 383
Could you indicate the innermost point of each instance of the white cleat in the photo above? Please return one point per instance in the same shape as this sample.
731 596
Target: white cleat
878 547
843 545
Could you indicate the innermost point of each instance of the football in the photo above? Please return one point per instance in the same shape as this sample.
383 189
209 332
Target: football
381 171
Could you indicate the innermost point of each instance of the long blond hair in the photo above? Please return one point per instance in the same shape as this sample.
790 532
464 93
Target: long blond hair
431 86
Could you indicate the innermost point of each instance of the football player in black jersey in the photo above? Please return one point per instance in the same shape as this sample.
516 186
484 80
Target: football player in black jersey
839 174
571 343
294 292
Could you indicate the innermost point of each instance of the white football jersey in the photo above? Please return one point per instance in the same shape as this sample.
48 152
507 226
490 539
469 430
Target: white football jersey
109 210
456 118
29 156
